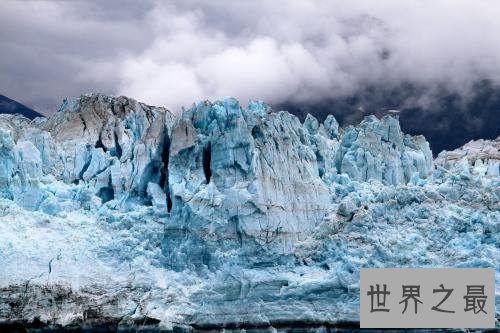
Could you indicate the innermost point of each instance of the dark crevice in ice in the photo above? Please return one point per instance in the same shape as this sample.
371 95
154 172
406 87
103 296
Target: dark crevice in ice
99 144
84 124
169 201
118 149
207 160
257 133
151 173
106 193
87 162
165 157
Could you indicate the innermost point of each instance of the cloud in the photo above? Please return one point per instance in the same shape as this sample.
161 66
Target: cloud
50 50
176 53
283 51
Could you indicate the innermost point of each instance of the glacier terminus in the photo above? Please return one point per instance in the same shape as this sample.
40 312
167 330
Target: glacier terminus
226 217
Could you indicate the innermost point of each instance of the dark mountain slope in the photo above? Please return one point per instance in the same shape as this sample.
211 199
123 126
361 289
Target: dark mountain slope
10 106
447 120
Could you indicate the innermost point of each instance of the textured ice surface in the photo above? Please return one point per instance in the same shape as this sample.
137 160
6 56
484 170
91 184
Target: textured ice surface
225 216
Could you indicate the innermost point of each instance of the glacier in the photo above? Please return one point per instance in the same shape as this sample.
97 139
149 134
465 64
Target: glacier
226 217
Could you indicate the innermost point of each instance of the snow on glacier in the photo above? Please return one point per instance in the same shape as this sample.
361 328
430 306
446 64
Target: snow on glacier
112 210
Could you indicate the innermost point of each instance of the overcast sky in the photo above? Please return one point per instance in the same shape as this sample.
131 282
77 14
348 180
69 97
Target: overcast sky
175 53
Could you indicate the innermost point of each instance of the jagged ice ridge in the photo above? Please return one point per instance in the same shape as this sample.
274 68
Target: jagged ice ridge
224 216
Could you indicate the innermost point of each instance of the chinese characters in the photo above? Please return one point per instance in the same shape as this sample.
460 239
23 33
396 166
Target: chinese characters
475 299
427 298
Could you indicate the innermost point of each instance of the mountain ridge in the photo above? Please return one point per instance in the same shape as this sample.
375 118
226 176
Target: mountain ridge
10 106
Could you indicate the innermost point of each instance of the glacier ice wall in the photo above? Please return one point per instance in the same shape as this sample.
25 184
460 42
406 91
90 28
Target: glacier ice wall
242 182
226 216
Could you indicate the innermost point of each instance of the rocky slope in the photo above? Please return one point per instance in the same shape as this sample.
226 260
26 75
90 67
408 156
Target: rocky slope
114 211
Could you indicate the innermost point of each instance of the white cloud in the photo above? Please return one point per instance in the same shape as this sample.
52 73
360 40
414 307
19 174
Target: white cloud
178 52
296 50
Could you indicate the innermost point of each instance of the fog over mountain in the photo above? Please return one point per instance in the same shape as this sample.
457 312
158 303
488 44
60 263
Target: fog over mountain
439 61
447 119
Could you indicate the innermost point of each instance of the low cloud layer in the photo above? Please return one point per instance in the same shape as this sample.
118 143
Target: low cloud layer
175 53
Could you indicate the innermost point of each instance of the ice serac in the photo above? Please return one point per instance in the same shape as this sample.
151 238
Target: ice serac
324 139
112 147
226 216
21 164
115 145
378 150
243 182
481 157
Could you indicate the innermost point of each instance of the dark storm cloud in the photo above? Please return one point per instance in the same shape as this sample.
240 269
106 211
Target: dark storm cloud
56 49
174 53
